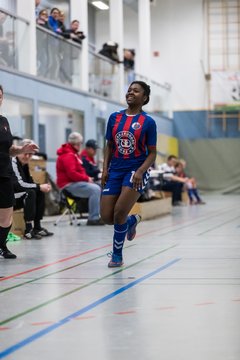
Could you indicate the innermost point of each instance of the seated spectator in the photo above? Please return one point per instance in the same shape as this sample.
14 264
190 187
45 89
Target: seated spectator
172 182
72 176
89 163
128 60
74 33
29 196
110 50
53 21
190 184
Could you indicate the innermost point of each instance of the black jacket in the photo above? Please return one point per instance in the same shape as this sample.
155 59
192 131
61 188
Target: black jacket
22 180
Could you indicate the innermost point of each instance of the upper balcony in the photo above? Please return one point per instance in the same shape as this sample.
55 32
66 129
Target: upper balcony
61 61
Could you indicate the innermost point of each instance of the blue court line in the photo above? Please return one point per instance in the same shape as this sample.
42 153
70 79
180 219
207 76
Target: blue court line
85 309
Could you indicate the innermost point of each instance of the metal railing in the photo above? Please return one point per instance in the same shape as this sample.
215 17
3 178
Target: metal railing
58 59
103 76
13 30
161 97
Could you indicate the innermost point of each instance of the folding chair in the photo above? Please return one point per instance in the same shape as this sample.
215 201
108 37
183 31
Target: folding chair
70 204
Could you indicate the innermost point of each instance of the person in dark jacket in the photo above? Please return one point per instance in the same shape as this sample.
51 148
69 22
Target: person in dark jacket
29 196
110 50
89 163
74 33
53 21
72 176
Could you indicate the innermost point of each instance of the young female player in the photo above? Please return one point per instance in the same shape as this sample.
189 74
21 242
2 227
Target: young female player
129 153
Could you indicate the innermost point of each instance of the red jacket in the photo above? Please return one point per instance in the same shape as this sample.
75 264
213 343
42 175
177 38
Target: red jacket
69 166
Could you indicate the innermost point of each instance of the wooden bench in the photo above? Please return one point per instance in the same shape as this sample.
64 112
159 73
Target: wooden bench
153 208
18 225
167 194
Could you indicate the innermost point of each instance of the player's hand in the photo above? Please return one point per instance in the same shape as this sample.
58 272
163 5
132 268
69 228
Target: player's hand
30 148
104 178
137 180
45 188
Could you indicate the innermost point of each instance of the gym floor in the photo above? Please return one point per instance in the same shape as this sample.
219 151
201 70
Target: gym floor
176 298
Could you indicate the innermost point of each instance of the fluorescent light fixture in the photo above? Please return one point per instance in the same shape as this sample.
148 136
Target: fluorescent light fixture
100 5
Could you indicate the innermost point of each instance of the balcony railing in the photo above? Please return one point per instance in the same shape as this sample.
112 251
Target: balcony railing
161 97
59 59
103 76
13 32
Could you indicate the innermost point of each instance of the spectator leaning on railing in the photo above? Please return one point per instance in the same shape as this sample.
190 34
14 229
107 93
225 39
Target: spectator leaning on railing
73 33
42 19
53 21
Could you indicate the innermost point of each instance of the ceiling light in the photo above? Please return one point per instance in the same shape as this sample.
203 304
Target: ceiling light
100 5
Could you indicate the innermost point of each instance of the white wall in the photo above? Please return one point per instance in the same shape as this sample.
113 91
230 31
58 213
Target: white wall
177 33
130 28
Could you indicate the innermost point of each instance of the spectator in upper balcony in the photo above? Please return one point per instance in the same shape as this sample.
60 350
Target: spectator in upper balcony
53 21
74 33
42 19
110 50
128 60
61 21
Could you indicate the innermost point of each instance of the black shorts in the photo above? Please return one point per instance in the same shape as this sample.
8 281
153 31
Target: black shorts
6 193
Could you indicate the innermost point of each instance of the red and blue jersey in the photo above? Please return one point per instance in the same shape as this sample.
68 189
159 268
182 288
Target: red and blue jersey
130 136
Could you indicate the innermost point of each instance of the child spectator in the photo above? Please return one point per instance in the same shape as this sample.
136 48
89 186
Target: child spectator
190 184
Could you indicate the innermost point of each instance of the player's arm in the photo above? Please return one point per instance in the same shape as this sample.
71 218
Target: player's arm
106 161
150 159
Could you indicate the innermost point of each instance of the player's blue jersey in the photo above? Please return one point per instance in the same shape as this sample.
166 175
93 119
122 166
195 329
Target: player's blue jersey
130 135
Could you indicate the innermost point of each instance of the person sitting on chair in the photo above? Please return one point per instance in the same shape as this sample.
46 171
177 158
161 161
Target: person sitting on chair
72 177
29 196
172 182
89 163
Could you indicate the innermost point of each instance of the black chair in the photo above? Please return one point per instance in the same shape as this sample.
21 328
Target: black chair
71 206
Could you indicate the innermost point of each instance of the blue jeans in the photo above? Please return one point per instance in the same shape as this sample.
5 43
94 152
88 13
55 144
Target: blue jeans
91 191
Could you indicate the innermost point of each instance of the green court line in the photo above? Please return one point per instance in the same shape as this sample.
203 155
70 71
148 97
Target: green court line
3 322
57 272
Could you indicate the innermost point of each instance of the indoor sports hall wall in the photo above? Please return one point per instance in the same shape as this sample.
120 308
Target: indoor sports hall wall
166 145
214 162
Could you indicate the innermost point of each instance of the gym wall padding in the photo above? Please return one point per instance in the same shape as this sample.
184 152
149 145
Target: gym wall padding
166 145
215 163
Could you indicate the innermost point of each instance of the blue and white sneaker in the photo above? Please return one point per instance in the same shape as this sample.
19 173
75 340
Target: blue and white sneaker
131 233
116 260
